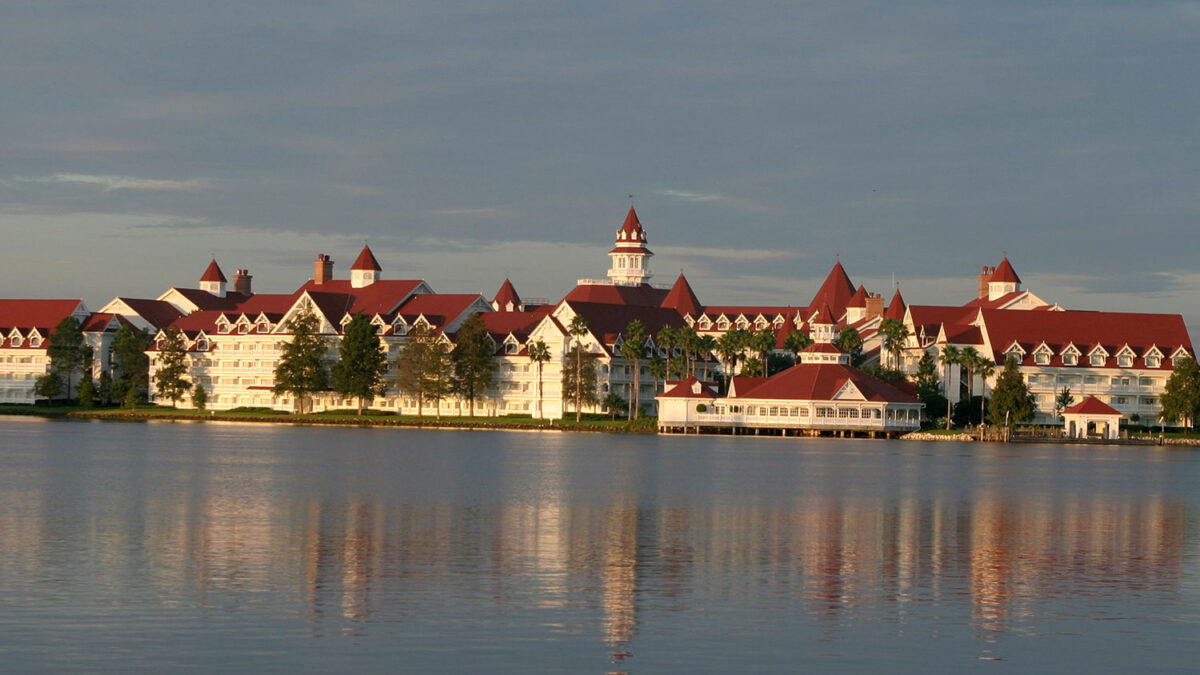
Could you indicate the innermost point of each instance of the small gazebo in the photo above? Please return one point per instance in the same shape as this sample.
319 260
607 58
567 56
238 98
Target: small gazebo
1091 418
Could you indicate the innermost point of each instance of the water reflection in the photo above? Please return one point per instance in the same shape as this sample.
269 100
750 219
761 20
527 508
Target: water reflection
535 533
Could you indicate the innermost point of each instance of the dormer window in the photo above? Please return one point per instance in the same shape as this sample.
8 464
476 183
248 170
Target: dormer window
778 321
1041 358
244 328
511 348
723 324
1015 353
1153 361
705 324
15 341
743 323
1125 360
760 324
1097 359
202 345
264 327
223 328
1070 359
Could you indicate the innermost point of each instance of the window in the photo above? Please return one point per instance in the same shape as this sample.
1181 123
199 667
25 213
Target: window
723 324
1125 361
223 328
1097 359
1153 361
1041 358
1070 359
512 348
264 327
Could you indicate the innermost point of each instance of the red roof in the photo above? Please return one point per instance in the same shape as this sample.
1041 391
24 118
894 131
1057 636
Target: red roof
506 295
207 301
1005 273
896 307
821 348
519 324
859 299
1091 406
689 388
366 261
998 302
213 273
609 294
822 381
632 228
1112 330
606 321
159 313
339 297
682 299
41 314
824 315
439 308
836 291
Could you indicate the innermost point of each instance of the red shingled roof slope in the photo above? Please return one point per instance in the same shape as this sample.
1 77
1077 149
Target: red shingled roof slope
682 299
836 291
820 382
213 272
1112 330
366 261
1092 406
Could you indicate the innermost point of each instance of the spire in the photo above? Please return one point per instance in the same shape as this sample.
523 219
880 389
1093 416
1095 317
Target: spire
213 273
213 280
630 257
1004 280
836 291
896 307
682 299
365 270
631 229
506 299
366 261
1005 273
859 299
823 326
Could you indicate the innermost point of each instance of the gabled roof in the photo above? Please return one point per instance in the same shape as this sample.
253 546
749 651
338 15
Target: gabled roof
206 301
1089 331
339 297
517 324
366 261
689 388
643 295
836 291
824 315
158 313
1005 273
896 308
822 382
440 309
1091 406
213 273
505 296
606 321
43 314
682 299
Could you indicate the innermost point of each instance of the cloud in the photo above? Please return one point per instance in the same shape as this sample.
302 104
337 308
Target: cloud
126 182
689 196
485 211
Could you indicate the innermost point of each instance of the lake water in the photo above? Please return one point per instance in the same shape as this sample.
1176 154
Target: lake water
217 547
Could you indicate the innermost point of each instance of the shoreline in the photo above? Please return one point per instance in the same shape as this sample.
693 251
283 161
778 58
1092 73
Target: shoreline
460 424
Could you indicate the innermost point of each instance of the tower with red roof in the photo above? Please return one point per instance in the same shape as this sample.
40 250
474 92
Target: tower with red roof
630 257
213 280
365 270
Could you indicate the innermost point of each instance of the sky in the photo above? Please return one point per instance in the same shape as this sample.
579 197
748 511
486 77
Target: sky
761 142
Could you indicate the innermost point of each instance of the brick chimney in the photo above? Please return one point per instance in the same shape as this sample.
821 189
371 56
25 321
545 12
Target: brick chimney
241 282
322 269
874 305
984 277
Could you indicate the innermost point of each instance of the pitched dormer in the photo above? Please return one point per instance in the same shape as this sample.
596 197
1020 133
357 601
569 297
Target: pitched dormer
1098 355
1125 357
1070 355
1153 357
1043 354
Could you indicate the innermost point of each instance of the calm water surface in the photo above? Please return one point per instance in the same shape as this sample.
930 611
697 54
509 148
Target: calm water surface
216 547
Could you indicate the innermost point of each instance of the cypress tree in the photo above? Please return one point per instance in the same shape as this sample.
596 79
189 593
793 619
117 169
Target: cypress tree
473 357
300 370
362 363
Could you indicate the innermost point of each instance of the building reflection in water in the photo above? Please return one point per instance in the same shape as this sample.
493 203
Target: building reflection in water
840 558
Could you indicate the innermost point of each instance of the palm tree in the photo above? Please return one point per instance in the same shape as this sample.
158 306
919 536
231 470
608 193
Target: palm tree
951 357
706 344
633 348
797 342
658 370
729 346
539 353
894 334
969 358
762 342
578 329
667 339
985 367
688 341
